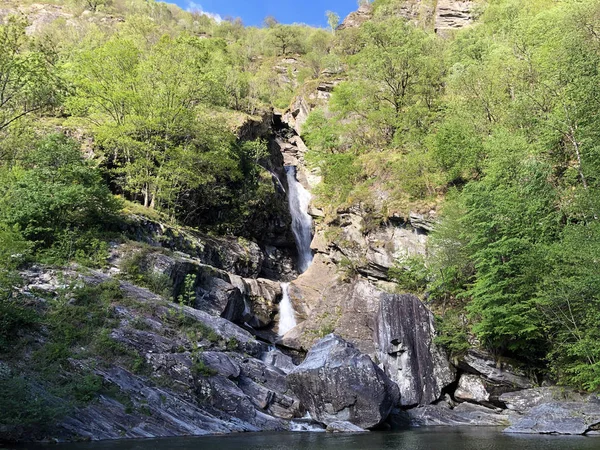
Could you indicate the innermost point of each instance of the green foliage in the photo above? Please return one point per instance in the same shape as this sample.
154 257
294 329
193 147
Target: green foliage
57 199
136 268
15 319
25 412
200 369
29 82
188 294
569 303
77 319
453 332
411 274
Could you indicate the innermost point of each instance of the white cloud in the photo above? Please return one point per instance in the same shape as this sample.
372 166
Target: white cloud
196 8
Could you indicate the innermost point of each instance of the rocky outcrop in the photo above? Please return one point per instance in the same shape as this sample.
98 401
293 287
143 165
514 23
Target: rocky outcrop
344 427
559 418
453 15
262 297
356 18
443 415
297 113
197 373
503 373
375 249
523 401
407 352
443 15
238 256
323 304
338 383
38 15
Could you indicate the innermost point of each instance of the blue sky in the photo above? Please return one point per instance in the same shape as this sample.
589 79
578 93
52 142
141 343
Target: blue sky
252 12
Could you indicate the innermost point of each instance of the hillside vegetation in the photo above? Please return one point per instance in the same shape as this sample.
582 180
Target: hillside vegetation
499 127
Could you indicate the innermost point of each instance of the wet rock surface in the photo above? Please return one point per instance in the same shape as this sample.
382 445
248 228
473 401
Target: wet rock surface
338 383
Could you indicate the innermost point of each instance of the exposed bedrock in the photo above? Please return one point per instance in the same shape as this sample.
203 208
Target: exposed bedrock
404 336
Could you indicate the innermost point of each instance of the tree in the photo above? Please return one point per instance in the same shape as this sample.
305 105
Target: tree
284 39
55 190
270 21
147 109
333 20
28 77
569 303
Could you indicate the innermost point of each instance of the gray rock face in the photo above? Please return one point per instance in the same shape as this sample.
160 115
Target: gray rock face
463 414
525 400
404 335
338 383
471 388
242 258
558 418
299 111
279 360
376 252
262 296
502 373
234 390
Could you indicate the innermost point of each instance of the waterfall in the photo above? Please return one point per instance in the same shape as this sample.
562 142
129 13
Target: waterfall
298 200
287 320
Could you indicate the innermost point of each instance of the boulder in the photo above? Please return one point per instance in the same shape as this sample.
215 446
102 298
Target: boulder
559 418
356 18
324 304
338 383
471 388
404 336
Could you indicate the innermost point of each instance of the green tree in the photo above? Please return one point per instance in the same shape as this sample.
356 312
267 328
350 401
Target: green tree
28 77
333 20
55 190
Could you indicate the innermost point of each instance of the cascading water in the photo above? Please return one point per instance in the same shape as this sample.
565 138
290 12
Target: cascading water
298 200
287 319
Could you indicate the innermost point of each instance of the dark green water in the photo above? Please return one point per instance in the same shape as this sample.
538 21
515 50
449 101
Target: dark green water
416 439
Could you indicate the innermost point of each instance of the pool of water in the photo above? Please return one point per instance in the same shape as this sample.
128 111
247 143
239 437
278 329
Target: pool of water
414 439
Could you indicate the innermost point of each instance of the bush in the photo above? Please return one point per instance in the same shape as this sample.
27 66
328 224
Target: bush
14 318
24 412
411 274
55 192
452 329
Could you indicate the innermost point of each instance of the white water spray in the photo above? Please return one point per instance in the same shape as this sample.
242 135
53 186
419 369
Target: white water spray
298 200
287 319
